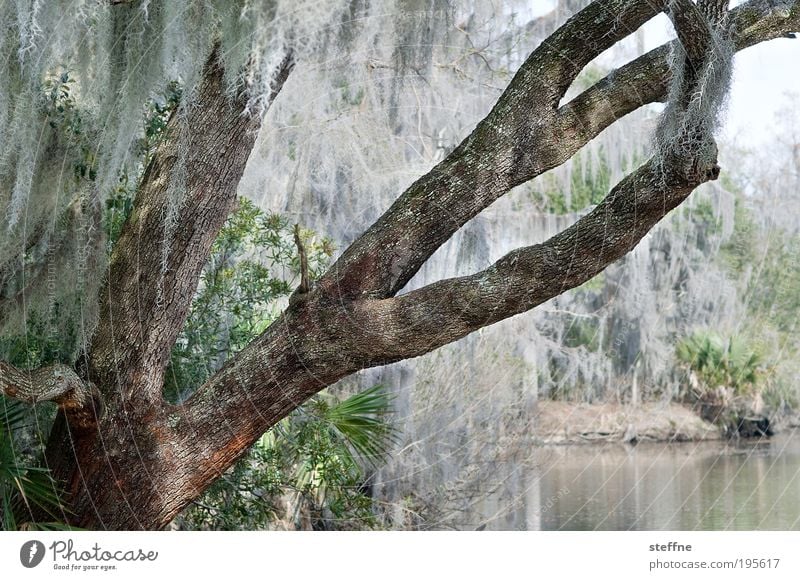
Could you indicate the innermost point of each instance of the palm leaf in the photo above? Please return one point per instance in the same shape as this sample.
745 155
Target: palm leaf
25 489
13 414
36 488
358 422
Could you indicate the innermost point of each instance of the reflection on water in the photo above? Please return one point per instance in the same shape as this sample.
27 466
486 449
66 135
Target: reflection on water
679 486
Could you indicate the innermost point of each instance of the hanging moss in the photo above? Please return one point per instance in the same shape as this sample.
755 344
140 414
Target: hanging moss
76 85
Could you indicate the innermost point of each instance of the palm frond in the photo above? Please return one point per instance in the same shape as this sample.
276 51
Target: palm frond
13 414
26 489
718 361
358 422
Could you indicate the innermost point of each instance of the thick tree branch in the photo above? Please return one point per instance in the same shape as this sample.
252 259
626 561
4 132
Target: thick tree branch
423 320
513 144
518 141
598 27
509 147
57 383
692 27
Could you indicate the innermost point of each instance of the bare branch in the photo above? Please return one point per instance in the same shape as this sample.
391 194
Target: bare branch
443 312
715 11
301 252
692 27
516 142
598 27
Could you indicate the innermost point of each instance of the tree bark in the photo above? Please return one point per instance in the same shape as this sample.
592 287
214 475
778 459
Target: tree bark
77 399
122 474
144 460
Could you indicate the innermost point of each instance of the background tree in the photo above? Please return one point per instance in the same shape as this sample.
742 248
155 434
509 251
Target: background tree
130 459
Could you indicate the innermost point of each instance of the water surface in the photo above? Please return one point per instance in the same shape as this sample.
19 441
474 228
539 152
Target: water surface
679 486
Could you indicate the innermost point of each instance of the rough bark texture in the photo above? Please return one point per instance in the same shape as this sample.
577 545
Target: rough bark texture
145 460
122 474
58 383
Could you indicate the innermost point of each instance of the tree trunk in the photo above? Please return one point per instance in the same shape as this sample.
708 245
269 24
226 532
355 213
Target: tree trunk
124 472
129 460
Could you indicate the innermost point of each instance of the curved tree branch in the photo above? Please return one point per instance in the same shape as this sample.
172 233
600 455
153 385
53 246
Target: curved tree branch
692 27
57 383
321 341
522 138
514 143
555 64
423 320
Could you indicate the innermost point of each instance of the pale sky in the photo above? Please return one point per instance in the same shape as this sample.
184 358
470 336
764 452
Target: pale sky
765 76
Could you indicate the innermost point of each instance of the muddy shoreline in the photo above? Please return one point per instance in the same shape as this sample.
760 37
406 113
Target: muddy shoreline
561 423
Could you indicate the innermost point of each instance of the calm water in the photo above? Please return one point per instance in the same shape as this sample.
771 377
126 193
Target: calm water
684 486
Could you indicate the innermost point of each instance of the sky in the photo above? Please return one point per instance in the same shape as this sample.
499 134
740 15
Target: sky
766 77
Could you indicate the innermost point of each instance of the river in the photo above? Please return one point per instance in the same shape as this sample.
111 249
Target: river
746 485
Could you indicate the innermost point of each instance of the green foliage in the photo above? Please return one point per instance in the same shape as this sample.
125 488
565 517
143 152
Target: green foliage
67 120
586 188
157 114
24 487
306 473
350 96
779 395
310 469
72 127
704 217
740 249
46 341
590 76
774 294
721 362
357 423
119 202
583 332
119 205
253 263
593 285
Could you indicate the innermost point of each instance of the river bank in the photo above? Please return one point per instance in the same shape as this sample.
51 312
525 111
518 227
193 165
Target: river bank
563 423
